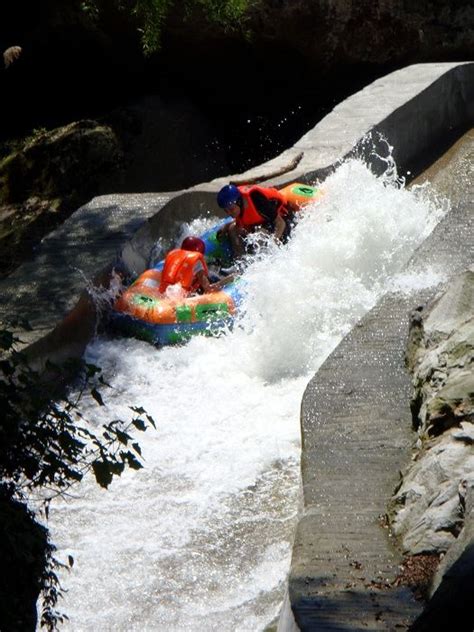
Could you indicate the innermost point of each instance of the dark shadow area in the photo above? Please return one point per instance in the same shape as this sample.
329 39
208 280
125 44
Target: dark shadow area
258 99
23 549
443 143
354 609
258 92
261 100
450 608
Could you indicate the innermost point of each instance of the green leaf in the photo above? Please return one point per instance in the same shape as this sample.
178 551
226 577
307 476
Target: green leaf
102 473
117 468
6 339
92 369
151 420
139 424
137 448
138 409
123 437
7 367
132 461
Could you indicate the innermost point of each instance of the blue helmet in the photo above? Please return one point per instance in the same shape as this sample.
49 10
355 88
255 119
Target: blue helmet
228 196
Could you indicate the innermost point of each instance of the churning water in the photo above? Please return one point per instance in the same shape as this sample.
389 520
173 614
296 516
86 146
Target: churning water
201 538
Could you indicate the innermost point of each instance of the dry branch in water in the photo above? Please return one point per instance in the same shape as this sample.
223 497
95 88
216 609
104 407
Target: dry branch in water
273 174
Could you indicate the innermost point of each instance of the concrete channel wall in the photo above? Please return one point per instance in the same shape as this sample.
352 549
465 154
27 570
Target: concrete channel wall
357 436
342 559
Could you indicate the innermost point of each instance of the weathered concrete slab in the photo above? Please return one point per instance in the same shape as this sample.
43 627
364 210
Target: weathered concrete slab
356 437
44 289
356 428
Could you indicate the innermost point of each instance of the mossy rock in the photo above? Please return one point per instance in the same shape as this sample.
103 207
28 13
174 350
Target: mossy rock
79 157
49 176
454 403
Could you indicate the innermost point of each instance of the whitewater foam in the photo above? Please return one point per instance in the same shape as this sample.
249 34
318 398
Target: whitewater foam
200 539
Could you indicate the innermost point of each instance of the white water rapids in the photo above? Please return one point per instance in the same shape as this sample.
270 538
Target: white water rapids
200 539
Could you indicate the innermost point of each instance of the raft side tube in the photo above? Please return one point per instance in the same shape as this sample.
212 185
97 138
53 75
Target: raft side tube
299 195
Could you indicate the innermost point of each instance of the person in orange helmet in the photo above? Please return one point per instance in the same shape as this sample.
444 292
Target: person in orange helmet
187 266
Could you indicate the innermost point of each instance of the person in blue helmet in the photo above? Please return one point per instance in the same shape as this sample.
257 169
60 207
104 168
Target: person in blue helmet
252 208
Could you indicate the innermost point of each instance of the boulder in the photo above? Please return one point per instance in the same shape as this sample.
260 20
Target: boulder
429 506
48 177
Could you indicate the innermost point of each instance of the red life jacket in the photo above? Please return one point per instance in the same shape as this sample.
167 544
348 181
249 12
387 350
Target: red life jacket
179 268
249 215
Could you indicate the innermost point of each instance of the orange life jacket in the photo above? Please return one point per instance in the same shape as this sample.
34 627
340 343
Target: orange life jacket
179 268
250 216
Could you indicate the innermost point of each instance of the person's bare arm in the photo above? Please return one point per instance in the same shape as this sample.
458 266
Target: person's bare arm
235 235
203 281
280 227
207 286
223 232
218 285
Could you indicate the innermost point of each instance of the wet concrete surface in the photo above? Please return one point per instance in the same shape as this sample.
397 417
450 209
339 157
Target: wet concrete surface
357 436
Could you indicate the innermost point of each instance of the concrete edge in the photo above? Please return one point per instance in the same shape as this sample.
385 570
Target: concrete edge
379 108
444 105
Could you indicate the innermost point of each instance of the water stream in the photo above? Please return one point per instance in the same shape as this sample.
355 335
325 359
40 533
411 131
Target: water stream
201 538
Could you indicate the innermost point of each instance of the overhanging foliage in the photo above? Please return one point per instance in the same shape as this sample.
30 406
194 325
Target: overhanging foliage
48 444
228 15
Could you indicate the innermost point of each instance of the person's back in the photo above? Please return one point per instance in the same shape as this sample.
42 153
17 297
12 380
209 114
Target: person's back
186 266
261 205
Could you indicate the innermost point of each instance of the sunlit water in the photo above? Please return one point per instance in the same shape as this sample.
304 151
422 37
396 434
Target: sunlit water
201 538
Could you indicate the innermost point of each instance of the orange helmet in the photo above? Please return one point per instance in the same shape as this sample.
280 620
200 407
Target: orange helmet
194 243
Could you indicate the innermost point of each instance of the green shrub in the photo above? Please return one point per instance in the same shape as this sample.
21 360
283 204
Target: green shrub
47 444
149 15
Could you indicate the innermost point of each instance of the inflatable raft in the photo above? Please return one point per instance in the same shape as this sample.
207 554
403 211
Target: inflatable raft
143 312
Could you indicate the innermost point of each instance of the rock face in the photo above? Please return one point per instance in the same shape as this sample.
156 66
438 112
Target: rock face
67 163
147 146
305 45
49 177
339 32
430 504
